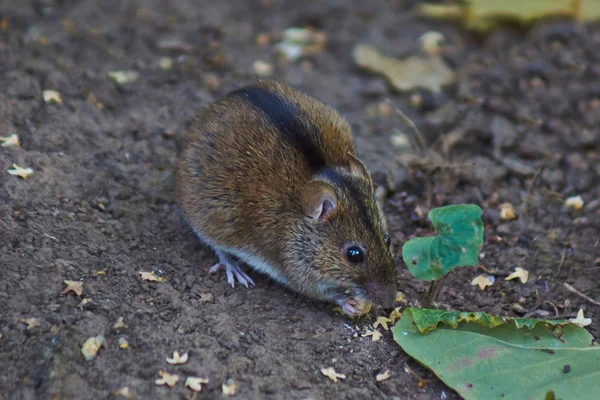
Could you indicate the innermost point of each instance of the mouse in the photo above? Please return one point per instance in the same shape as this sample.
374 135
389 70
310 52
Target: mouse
269 177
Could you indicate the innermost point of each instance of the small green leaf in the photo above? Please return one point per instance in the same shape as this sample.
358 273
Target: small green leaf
458 243
482 356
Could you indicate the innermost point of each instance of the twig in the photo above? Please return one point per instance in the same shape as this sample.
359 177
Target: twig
578 293
527 198
562 261
494 272
50 237
422 143
553 306
413 373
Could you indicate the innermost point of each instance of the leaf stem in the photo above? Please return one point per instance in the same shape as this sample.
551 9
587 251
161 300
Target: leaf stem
432 293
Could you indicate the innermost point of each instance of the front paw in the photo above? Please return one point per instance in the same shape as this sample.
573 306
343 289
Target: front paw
354 307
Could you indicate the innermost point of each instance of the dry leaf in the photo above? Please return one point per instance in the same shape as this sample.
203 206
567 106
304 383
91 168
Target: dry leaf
51 96
124 391
205 296
120 324
166 379
73 286
91 347
230 387
520 273
430 42
580 321
10 141
19 171
331 374
383 321
195 383
482 281
123 343
575 202
395 314
262 68
149 276
123 77
298 42
165 63
507 212
92 99
31 322
375 335
177 359
426 71
384 376
82 303
401 298
484 16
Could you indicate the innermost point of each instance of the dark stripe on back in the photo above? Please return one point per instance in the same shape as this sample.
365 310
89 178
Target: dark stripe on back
354 192
285 116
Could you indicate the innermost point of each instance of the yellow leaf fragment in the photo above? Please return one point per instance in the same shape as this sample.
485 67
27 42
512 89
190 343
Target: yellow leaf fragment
430 42
124 391
298 42
123 343
166 379
165 63
383 321
262 68
120 324
331 374
375 335
482 281
20 171
178 359
73 286
485 15
580 321
51 96
507 212
195 383
123 77
401 298
10 141
91 346
149 276
83 303
575 202
395 314
230 387
31 322
520 273
384 376
426 71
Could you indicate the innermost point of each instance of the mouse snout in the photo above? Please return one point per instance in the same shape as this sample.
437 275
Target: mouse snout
380 294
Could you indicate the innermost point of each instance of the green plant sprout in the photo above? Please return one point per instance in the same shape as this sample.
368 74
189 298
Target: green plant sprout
459 240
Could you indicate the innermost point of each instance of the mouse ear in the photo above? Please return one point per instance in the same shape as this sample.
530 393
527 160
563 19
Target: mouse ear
318 200
357 168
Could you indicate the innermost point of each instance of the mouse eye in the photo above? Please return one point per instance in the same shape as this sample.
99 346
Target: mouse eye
355 254
387 240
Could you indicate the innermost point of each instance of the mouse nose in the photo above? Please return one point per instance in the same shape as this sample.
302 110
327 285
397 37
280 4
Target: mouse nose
380 294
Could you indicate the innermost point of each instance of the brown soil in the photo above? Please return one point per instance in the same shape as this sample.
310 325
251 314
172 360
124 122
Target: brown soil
525 115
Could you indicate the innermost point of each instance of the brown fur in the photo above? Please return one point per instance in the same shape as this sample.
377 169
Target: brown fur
242 187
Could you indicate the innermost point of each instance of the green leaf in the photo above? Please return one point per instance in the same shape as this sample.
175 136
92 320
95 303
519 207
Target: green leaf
460 238
482 356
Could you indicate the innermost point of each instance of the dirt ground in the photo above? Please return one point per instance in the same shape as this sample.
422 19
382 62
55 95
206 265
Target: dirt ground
520 126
